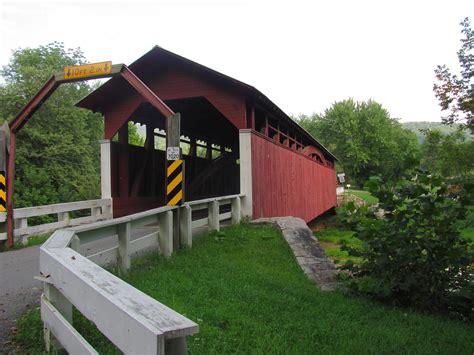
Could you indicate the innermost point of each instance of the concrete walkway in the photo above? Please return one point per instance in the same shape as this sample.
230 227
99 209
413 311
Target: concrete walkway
306 249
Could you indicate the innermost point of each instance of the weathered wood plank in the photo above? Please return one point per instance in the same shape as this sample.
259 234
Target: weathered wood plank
41 228
59 239
60 207
105 257
69 337
200 222
133 321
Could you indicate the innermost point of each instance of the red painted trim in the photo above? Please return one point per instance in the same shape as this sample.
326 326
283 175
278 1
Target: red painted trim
145 91
34 104
10 185
300 152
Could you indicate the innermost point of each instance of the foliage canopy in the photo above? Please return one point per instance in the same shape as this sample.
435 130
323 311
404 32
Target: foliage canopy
365 138
455 93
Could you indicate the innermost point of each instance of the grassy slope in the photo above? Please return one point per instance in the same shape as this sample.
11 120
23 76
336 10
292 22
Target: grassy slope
365 195
249 296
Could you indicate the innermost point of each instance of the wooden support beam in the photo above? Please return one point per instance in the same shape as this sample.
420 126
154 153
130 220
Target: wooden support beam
266 125
209 151
192 148
123 161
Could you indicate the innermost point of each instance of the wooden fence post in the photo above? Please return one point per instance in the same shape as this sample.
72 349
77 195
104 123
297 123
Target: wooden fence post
213 218
165 222
124 247
63 216
236 210
186 227
76 244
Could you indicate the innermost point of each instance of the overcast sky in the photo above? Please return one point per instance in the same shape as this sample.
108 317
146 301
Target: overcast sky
304 55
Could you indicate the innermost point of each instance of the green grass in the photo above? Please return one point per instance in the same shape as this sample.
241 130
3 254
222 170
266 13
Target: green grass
32 241
248 295
331 240
468 233
365 195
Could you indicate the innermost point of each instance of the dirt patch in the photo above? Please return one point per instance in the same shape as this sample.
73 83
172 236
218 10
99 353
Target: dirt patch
322 222
328 245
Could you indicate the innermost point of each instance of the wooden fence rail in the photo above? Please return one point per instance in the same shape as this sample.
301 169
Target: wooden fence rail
132 321
97 210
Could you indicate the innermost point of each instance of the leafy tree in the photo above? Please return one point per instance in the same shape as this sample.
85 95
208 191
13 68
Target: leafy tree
413 254
57 150
456 93
365 139
448 155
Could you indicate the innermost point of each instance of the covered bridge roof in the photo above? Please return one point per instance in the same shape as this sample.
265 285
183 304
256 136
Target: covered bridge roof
149 62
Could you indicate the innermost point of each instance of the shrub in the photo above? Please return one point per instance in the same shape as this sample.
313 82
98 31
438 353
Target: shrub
414 254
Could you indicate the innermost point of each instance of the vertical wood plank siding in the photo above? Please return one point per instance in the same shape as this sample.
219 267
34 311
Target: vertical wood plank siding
286 183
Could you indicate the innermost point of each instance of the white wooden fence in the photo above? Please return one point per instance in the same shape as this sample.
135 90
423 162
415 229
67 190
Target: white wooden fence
99 210
133 321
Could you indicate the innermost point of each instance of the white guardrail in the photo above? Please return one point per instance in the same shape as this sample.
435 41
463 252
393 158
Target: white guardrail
134 322
99 210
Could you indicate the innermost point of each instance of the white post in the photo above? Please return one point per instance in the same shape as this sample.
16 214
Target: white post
245 146
105 169
21 223
76 244
96 211
63 216
213 217
186 227
235 210
124 247
165 223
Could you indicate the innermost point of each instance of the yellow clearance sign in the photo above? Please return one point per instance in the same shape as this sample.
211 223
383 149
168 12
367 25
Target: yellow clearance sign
87 70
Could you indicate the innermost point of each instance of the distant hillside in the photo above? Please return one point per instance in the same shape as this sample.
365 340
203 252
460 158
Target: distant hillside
416 126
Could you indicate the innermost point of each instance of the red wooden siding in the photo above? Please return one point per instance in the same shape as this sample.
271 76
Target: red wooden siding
180 82
176 83
286 183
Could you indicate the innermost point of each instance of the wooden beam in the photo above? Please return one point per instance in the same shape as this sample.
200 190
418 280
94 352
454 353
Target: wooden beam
123 161
145 91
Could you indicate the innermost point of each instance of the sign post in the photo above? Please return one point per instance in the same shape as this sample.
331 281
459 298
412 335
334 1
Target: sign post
4 137
174 172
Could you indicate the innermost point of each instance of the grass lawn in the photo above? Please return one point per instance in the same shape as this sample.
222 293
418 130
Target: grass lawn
468 233
248 295
365 195
33 240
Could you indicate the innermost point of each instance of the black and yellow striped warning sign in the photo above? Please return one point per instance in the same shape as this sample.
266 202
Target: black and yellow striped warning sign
3 193
174 187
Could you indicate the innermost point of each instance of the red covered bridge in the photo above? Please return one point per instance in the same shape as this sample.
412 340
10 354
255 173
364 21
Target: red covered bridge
234 139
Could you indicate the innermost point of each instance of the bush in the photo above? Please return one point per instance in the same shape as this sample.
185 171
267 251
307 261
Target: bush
414 254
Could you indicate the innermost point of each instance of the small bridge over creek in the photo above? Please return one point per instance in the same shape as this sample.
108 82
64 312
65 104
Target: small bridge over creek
230 153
